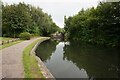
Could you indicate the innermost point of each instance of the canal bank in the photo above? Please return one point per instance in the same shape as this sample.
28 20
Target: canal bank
45 72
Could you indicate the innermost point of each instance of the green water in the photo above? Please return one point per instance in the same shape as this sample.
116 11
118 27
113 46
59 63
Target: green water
76 60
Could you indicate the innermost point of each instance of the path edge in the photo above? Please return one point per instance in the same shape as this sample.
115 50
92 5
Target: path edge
46 73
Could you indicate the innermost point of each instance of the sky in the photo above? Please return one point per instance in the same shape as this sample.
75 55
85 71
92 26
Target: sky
59 8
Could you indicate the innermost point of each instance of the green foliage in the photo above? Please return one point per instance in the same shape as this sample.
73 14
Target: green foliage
99 25
25 36
18 18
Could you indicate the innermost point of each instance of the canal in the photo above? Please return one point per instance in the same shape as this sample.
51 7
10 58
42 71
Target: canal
79 60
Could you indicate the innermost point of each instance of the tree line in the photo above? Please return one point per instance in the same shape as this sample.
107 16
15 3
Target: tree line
100 25
18 18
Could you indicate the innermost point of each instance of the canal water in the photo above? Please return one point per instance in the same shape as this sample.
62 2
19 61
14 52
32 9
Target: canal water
76 60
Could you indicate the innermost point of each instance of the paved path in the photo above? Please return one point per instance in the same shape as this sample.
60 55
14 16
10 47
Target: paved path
12 66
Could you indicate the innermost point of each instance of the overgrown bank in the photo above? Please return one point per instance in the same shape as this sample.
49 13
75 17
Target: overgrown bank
100 25
31 68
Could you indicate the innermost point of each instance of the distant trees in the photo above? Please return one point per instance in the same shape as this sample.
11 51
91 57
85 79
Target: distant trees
18 18
99 25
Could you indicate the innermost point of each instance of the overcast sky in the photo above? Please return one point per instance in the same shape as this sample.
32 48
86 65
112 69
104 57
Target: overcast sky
59 8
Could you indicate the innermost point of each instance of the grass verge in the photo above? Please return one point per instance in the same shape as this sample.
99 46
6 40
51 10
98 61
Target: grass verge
9 44
5 38
31 68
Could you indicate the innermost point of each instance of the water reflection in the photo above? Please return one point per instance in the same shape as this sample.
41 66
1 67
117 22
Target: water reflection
75 60
99 62
45 50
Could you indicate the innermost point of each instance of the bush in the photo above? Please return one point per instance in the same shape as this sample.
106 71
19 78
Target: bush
25 36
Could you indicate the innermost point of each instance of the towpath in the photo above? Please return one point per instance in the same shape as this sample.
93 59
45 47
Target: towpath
11 60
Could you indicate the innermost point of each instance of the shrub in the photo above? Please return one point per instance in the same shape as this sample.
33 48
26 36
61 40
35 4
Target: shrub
25 36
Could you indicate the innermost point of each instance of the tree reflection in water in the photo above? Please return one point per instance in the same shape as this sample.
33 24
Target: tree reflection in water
73 59
45 49
98 62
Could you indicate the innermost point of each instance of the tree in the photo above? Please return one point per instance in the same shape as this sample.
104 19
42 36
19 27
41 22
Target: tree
19 18
99 25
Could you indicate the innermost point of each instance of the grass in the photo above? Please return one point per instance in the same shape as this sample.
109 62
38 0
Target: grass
9 44
31 68
5 38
